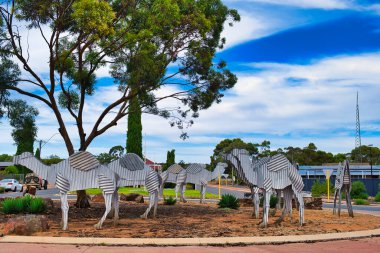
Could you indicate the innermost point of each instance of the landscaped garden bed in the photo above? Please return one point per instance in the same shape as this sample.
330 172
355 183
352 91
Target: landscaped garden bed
194 220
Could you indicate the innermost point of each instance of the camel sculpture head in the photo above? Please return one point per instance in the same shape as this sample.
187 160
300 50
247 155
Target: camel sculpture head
18 158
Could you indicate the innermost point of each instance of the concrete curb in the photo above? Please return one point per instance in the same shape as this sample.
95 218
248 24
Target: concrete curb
210 241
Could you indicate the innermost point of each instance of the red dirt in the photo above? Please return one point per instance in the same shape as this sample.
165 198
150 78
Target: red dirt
196 220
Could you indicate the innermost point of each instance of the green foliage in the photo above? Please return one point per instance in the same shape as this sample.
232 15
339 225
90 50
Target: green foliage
170 201
37 205
170 159
377 197
114 153
361 202
22 119
134 132
358 190
6 158
320 189
25 204
52 160
38 153
229 201
272 202
2 189
10 170
366 154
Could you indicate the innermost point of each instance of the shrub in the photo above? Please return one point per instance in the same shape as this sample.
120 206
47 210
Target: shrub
25 204
37 205
377 197
170 201
358 190
320 188
2 189
361 202
272 202
229 201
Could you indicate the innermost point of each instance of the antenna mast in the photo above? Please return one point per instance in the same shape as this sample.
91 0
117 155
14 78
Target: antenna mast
358 139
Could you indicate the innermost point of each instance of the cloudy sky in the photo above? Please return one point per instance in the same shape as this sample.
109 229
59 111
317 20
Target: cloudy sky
299 64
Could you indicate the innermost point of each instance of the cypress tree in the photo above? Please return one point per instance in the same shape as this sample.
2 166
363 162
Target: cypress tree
134 132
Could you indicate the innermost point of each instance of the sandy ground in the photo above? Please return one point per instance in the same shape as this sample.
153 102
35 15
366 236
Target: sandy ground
196 220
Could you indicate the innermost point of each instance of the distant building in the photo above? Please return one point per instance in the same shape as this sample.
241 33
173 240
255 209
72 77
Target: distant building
358 170
153 165
3 165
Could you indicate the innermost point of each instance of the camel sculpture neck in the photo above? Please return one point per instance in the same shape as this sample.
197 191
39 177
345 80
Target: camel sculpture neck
42 170
238 167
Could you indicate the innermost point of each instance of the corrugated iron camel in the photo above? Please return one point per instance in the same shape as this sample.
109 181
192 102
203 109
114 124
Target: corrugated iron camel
132 171
343 182
195 173
198 175
270 173
79 172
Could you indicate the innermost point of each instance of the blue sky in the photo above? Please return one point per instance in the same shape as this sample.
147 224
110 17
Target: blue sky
299 64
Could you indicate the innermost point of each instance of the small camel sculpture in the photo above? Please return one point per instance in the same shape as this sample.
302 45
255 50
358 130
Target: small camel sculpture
132 171
343 182
198 175
270 173
79 172
175 174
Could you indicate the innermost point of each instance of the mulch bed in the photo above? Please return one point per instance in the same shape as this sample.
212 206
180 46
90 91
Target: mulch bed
195 220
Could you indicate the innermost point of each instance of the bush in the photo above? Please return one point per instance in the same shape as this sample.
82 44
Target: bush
319 189
377 197
272 202
229 201
2 189
361 202
170 201
358 190
25 204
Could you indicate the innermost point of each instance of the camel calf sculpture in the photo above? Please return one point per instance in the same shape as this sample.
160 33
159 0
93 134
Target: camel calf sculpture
343 182
132 171
195 173
79 172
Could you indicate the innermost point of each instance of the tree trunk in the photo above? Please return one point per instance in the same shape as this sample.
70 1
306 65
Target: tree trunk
82 199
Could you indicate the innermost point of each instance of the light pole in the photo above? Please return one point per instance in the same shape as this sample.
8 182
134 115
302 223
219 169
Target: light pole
370 158
45 142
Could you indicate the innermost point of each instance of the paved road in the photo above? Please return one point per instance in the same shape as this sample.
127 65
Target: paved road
368 245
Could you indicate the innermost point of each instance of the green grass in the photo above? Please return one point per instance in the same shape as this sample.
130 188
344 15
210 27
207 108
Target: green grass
25 204
167 192
361 202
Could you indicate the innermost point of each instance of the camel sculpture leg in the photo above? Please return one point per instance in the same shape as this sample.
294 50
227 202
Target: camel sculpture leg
335 199
287 208
108 203
65 209
255 201
155 204
183 190
152 199
301 208
203 193
115 203
177 189
340 201
267 194
348 202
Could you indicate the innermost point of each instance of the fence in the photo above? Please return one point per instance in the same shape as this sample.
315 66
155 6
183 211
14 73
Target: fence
371 184
19 177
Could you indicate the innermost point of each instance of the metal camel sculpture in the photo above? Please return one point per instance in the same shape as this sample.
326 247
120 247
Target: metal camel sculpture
79 172
175 174
270 173
198 175
132 171
343 182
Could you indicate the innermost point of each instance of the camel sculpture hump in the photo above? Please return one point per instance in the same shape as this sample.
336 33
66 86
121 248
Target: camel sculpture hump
195 168
131 162
175 169
83 161
277 163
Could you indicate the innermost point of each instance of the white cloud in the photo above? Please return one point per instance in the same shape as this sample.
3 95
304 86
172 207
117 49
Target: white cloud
307 4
